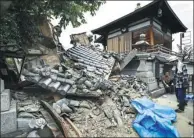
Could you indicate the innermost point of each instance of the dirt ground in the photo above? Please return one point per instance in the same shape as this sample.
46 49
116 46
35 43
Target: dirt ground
184 129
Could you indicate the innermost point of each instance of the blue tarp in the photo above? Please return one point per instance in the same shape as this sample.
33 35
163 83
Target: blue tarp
189 97
154 120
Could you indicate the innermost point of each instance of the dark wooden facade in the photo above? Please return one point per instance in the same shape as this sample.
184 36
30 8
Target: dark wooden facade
119 35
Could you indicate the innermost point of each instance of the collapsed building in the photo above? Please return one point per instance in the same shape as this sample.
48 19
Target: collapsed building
82 83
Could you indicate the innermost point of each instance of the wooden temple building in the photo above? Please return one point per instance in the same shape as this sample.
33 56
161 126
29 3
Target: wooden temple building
148 29
156 20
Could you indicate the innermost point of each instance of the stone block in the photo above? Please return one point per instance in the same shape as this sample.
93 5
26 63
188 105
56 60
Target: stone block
5 100
12 134
1 85
23 124
8 119
152 86
157 93
149 80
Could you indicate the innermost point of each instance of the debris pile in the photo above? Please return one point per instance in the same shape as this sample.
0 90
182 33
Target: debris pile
81 75
98 106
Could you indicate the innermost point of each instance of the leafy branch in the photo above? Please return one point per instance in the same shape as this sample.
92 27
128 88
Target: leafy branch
20 23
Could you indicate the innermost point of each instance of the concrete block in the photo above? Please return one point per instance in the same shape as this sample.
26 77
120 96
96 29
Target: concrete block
152 86
157 93
5 100
12 134
1 85
23 124
149 80
8 119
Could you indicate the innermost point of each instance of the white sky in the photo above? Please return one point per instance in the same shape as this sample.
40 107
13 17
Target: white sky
115 9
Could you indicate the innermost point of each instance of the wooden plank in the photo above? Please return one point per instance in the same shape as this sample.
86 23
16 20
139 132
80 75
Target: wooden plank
122 44
112 44
127 40
74 127
112 47
109 45
130 41
51 124
115 47
116 44
119 44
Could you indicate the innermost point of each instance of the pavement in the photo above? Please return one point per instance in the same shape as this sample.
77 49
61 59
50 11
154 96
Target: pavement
184 129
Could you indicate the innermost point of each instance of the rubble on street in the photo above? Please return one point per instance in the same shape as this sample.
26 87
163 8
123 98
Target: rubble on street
96 103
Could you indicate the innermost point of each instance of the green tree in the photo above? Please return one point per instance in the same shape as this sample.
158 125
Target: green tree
19 23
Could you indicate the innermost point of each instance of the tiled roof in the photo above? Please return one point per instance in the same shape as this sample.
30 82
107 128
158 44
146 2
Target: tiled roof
85 68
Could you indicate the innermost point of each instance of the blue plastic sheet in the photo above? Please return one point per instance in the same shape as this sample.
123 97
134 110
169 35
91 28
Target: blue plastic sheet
189 97
154 120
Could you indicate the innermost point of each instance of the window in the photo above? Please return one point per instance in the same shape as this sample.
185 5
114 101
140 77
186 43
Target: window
136 34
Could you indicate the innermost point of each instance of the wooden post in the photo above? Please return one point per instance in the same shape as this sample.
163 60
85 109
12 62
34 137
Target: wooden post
151 36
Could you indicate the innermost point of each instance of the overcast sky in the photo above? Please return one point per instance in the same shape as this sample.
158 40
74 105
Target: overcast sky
115 9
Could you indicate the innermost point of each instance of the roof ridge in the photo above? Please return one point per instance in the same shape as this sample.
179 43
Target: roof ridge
137 10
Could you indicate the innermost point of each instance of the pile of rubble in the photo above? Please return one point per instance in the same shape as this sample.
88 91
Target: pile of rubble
99 105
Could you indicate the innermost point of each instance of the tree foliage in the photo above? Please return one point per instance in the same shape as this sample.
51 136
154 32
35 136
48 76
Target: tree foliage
19 23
